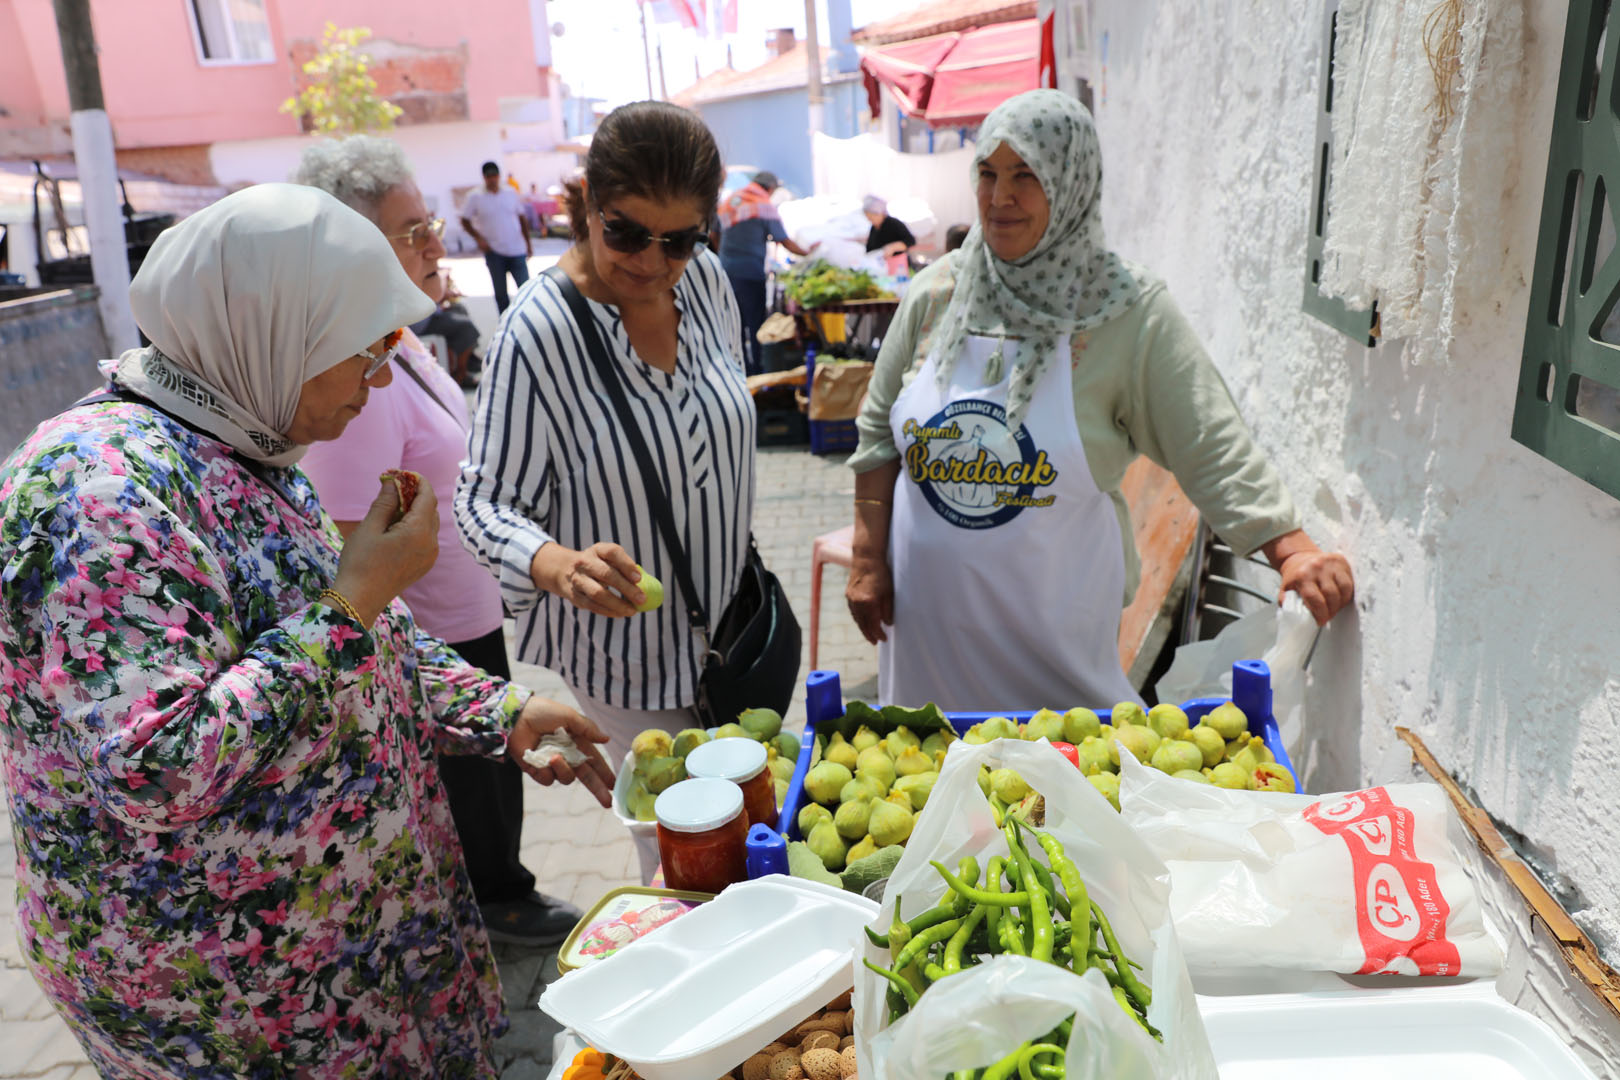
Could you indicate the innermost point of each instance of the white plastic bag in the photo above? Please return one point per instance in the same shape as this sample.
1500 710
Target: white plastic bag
1355 882
975 1018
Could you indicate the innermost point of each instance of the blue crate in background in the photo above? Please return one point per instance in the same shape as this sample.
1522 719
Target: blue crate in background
832 436
824 701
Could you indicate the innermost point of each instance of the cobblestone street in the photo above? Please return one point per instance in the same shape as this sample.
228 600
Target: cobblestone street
577 850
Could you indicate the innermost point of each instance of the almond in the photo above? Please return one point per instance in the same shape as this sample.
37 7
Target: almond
846 1042
821 1064
846 1062
841 1002
818 1040
785 1066
757 1067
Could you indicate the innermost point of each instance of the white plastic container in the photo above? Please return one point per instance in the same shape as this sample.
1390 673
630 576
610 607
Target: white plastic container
1466 1031
621 791
710 989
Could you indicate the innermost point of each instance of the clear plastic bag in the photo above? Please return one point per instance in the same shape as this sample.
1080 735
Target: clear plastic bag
975 1018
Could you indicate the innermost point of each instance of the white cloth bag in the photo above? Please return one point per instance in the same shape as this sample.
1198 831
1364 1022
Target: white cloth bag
976 1018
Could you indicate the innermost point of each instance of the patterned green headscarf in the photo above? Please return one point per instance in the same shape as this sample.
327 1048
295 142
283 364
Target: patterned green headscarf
1070 281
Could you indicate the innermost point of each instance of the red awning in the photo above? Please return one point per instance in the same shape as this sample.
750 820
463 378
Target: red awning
954 80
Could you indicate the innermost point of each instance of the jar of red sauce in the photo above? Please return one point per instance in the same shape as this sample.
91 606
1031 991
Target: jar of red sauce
702 834
742 761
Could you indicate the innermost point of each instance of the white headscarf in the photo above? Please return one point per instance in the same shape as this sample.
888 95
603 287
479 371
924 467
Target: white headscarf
1070 281
249 299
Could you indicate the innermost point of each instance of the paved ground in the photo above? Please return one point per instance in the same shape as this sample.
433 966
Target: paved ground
577 850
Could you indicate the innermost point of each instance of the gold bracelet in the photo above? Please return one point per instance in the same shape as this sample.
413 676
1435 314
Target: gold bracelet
334 599
871 502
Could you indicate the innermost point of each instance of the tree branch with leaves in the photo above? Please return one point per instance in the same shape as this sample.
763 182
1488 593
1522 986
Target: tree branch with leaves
340 96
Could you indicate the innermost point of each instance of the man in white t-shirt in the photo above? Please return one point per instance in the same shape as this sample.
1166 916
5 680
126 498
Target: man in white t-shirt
493 217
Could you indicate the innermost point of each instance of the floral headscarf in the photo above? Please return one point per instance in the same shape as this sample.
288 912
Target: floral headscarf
1070 281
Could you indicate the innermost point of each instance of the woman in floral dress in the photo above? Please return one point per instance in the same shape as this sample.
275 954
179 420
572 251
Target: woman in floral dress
234 855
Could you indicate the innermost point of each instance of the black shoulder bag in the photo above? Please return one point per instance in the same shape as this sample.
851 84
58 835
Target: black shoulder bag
751 658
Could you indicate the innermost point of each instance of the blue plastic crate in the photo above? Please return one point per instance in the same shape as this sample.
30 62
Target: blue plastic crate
832 436
824 700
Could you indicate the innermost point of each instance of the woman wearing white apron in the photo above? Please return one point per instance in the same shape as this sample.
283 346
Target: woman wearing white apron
1020 378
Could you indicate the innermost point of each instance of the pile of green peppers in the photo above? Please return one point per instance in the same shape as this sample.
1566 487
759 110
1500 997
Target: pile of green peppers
1024 908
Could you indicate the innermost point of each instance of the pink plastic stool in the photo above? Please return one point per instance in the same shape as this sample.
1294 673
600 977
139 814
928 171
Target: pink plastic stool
834 547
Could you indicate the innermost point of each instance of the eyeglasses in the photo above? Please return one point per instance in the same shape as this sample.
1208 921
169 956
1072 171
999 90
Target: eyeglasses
629 238
420 232
391 346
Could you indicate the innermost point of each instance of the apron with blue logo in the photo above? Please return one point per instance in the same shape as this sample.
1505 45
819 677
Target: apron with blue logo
1006 557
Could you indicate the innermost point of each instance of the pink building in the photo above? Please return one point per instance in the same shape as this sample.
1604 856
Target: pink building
194 87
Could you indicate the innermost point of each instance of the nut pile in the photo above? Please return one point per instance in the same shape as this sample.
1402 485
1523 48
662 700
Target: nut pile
820 1048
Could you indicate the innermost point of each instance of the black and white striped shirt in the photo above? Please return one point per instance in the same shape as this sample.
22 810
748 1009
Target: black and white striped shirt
547 461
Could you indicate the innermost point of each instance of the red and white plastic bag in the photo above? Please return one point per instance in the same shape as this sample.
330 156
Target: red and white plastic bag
1360 882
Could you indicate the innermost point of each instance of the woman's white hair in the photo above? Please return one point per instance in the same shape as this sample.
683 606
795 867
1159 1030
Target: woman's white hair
874 205
359 170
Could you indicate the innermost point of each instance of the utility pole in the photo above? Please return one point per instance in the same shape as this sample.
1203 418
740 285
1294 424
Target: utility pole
98 172
813 47
663 87
646 48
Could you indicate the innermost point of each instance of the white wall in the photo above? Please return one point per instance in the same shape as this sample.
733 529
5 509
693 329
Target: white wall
446 157
1488 583
865 165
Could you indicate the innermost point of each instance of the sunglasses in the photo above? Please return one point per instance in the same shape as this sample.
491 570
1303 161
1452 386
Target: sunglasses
421 232
628 238
391 346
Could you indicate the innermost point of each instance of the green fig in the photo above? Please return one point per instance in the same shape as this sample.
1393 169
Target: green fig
1229 720
1045 724
828 846
1209 743
787 744
936 743
1105 731
780 788
917 788
1001 727
1080 724
913 761
687 741
1128 712
1245 759
984 780
663 773
1270 776
890 823
730 731
1136 740
865 738
900 739
975 735
638 802
652 591
825 781
1191 774
874 762
866 846
781 767
1108 785
840 751
1008 786
899 798
762 725
650 745
862 787
1262 752
1168 720
1229 775
811 815
851 818
1094 756
1174 755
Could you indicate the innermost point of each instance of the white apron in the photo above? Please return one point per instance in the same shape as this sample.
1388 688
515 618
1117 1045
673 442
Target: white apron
1006 558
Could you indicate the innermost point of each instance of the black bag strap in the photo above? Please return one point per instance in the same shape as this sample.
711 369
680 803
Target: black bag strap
656 496
406 367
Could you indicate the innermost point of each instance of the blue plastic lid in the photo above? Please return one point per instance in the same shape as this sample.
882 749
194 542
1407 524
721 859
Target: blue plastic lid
767 851
694 806
737 760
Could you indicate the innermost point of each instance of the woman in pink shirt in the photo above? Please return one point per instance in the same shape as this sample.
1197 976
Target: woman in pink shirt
420 422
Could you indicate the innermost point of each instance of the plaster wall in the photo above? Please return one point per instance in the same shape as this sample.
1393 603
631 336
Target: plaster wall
1487 579
772 130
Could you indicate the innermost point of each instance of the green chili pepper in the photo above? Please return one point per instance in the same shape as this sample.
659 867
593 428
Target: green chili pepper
1004 1069
1040 915
959 940
992 912
979 896
933 972
1012 936
1027 1056
908 993
1140 993
1130 1010
1073 884
1056 899
906 930
918 947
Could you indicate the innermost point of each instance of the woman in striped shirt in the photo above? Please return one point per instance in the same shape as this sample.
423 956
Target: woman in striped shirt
551 499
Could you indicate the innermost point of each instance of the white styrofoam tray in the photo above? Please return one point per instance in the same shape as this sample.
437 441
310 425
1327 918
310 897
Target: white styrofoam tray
1464 1030
708 990
621 790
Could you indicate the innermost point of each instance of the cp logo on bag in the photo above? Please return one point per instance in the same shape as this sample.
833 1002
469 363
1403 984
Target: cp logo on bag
1375 834
1351 808
1389 905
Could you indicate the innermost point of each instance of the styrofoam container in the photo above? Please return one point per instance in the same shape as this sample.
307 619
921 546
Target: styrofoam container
621 790
713 987
1404 1033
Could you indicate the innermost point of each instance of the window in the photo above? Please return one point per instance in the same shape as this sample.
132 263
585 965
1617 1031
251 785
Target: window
1568 403
231 31
1361 325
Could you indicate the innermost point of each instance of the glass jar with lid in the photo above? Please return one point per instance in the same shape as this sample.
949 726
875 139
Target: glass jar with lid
743 762
702 834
